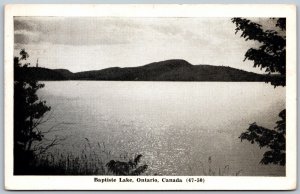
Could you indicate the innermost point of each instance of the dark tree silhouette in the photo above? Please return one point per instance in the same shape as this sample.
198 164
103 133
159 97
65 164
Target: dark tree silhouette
271 56
273 139
29 112
127 168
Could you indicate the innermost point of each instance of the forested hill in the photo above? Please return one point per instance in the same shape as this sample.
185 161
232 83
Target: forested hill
170 70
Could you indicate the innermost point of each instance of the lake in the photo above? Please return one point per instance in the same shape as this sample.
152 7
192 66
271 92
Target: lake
180 128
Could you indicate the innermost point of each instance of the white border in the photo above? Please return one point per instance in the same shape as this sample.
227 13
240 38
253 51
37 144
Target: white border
159 10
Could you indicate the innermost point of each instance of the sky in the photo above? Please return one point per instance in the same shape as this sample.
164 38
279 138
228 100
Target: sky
91 43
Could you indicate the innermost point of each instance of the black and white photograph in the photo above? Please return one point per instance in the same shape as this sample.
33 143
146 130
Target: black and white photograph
151 99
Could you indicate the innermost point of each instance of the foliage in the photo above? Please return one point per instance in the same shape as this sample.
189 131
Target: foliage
211 170
273 139
29 112
271 55
127 168
88 161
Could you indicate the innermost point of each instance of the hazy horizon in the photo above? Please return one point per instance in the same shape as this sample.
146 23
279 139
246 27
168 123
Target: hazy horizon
94 43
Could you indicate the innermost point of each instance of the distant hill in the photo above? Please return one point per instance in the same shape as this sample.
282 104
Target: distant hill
38 73
169 70
65 73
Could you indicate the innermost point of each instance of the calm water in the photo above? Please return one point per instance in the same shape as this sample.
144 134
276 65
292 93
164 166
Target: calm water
177 126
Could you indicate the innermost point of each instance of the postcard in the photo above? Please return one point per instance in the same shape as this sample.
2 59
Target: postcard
150 97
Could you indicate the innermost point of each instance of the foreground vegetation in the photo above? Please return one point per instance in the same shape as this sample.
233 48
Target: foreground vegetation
91 160
210 169
270 56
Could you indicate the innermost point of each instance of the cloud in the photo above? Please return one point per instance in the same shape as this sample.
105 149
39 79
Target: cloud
26 37
72 30
22 25
101 31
